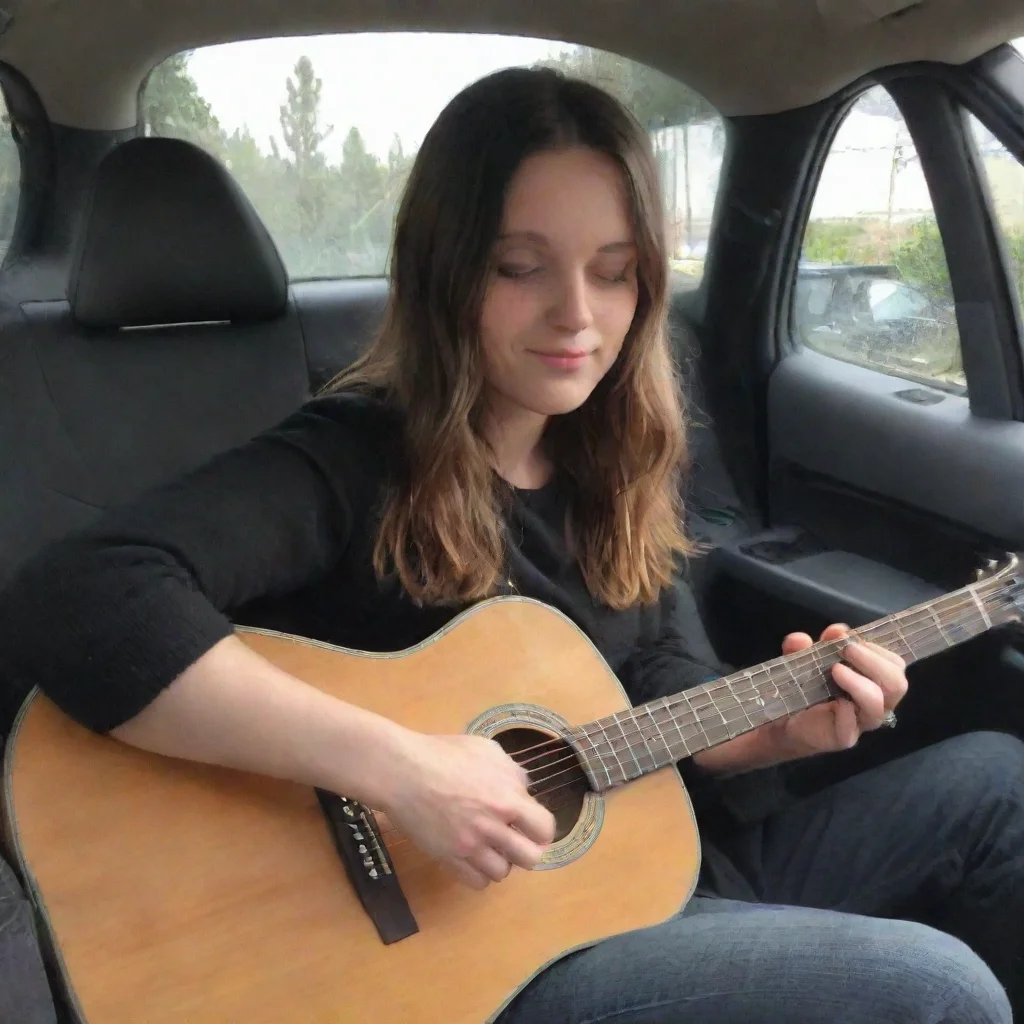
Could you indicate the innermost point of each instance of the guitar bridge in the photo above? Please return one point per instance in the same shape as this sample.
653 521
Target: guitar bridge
369 869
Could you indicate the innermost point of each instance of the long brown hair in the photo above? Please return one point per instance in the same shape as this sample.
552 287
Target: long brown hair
623 450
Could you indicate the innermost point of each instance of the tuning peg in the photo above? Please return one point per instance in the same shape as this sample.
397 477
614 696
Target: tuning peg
990 565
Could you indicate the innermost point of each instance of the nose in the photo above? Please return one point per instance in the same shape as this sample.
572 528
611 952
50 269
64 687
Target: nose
570 310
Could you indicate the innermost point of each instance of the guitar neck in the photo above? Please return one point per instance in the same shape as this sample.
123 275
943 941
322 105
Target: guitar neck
632 743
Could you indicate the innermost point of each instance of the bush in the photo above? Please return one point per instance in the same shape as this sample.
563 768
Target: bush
921 260
841 241
915 249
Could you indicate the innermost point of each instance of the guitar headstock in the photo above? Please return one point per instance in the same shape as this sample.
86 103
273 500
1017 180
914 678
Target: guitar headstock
1003 589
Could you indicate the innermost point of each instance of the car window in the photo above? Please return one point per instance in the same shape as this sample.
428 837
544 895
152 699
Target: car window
872 285
1005 178
893 300
10 180
320 132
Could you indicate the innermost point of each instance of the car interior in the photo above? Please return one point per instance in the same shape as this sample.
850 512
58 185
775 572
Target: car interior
148 319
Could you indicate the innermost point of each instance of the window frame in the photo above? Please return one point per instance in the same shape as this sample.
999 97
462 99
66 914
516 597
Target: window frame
930 98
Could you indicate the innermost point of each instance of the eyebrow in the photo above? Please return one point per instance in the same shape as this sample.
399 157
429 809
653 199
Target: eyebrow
533 236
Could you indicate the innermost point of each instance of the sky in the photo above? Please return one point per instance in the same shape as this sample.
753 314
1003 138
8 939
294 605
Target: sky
381 82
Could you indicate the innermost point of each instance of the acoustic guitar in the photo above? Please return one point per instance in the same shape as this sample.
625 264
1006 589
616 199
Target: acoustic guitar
175 892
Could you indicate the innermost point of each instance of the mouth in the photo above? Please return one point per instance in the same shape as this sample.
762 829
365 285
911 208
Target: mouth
565 360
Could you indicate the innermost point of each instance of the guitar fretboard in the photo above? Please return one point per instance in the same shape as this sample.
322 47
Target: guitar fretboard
631 743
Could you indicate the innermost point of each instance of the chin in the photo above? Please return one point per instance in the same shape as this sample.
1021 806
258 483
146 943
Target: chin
558 401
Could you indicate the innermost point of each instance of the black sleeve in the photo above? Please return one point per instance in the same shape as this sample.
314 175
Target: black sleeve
677 655
103 620
673 653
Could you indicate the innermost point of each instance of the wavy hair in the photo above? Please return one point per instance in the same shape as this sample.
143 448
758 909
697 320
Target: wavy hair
623 450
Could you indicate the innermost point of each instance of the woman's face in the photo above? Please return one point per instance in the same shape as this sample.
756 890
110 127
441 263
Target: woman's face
562 289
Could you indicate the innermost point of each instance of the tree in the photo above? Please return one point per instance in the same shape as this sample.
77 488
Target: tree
362 197
300 116
264 179
921 259
878 100
300 128
10 181
172 106
361 173
399 166
655 99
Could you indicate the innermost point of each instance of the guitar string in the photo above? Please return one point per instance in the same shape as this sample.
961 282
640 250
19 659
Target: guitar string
809 658
815 670
615 749
778 702
581 776
717 716
577 772
395 830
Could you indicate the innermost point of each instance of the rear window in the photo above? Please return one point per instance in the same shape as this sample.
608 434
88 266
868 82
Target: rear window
320 132
10 179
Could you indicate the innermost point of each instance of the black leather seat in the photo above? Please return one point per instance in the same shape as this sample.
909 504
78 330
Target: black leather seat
180 339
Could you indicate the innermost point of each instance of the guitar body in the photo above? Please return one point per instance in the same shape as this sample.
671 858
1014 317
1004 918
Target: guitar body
173 892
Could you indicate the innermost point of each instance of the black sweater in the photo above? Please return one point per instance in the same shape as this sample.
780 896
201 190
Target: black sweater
279 534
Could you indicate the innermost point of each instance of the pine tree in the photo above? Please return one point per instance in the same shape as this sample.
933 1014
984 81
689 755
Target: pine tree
300 128
300 116
172 106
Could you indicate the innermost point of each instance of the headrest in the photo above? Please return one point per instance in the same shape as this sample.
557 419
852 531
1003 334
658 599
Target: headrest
169 237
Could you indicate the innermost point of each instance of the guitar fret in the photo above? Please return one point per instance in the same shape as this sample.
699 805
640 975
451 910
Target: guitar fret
903 639
597 755
819 664
792 675
696 723
981 607
707 722
661 735
743 709
629 748
729 706
676 720
939 629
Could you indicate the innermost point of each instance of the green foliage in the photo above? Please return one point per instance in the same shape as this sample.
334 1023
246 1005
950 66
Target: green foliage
300 118
843 241
655 99
307 178
1015 250
921 259
171 106
10 181
914 249
335 218
328 219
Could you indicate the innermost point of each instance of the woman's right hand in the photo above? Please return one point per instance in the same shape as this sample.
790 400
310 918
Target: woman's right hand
463 800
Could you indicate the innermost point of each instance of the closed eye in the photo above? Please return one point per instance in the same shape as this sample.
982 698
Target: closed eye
517 271
616 274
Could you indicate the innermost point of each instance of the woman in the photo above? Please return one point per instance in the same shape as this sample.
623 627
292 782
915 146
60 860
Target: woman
517 426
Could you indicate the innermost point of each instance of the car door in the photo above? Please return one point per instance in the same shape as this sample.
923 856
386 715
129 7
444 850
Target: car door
881 437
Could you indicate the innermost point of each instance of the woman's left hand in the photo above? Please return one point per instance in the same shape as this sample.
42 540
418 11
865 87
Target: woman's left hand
875 681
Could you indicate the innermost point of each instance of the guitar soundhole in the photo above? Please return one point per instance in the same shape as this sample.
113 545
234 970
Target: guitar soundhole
557 778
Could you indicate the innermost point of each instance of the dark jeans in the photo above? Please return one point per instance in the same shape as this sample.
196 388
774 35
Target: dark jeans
935 838
24 994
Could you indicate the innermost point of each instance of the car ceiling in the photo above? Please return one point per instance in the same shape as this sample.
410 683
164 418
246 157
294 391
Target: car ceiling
87 58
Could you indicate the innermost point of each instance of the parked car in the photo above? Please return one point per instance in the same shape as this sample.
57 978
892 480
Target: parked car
870 314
